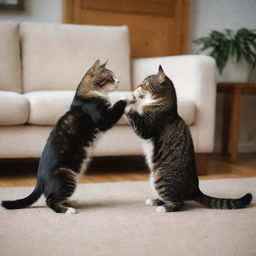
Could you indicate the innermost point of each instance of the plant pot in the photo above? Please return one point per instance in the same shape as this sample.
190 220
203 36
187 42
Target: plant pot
235 72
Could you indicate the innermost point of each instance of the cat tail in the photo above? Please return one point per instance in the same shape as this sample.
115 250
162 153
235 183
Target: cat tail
222 203
27 201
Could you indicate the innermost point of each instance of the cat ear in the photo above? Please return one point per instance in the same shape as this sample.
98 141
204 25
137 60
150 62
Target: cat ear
160 75
96 66
104 65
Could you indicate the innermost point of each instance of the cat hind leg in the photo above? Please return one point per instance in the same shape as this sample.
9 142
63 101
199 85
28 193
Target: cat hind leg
63 187
170 207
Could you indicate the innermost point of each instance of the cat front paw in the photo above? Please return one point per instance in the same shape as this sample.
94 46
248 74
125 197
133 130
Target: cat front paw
120 106
131 99
122 103
129 108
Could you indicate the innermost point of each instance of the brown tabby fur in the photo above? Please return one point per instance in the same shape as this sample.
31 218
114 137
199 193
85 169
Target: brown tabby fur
168 147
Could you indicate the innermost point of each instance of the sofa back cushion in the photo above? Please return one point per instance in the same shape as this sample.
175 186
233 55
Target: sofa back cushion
184 70
10 68
56 56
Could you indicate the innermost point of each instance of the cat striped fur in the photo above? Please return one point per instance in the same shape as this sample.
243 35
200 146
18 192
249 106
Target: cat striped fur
168 147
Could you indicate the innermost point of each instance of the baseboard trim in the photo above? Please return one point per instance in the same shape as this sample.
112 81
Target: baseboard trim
243 147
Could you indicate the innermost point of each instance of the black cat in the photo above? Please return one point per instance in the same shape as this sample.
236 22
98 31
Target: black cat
69 146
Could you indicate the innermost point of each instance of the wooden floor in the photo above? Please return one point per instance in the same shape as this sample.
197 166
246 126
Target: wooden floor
23 172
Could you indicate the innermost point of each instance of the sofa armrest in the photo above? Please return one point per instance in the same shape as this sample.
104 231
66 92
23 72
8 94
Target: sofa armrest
194 79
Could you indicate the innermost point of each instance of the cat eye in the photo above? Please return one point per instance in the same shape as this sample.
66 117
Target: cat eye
103 81
107 80
111 80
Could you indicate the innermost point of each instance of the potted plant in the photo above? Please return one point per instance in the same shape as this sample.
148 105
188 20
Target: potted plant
237 49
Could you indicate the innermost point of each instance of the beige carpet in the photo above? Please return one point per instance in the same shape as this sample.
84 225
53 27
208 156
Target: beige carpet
113 221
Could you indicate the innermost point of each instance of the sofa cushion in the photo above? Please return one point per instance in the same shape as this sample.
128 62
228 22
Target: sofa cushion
14 108
46 107
10 68
56 56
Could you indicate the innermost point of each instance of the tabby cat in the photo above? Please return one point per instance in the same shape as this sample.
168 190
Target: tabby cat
69 147
168 147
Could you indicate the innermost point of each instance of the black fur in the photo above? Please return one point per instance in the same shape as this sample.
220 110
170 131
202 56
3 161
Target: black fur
67 145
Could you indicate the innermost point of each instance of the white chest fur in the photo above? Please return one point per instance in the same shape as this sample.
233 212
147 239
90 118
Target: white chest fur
148 148
148 151
89 153
152 183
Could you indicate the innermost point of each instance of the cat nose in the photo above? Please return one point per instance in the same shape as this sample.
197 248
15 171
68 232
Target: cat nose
117 81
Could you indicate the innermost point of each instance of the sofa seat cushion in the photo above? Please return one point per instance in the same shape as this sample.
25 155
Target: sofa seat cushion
14 108
46 107
56 56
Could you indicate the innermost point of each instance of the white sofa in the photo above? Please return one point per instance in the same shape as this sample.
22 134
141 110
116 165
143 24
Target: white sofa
42 64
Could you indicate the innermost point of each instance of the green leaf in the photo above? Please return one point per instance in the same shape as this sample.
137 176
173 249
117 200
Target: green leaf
217 35
235 52
230 33
228 44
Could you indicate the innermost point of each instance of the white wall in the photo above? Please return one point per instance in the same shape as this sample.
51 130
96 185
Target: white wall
37 11
205 15
220 14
